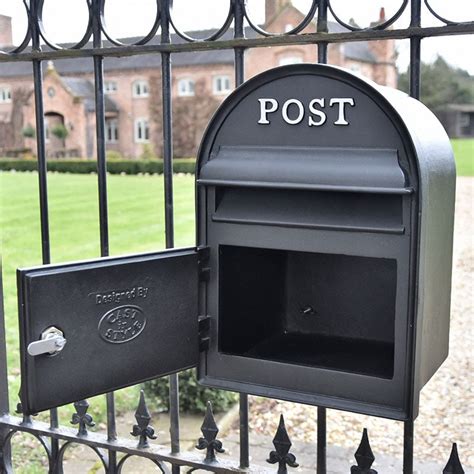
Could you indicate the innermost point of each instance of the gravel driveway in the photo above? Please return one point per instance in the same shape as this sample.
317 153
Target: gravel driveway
447 402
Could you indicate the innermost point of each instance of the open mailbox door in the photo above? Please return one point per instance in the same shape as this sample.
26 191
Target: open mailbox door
92 327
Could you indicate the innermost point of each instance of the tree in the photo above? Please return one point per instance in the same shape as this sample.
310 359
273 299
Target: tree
190 117
442 84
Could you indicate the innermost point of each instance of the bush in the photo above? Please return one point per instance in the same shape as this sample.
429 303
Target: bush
193 397
29 131
60 131
90 166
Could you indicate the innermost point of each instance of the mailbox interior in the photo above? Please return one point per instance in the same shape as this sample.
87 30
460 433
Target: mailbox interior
322 310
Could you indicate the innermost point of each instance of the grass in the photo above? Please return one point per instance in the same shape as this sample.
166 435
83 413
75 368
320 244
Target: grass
464 154
136 223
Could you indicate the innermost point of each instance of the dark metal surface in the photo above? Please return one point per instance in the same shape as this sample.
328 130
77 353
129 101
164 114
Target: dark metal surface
91 46
280 200
107 310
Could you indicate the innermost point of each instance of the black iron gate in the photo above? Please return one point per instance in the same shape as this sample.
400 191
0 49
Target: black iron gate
98 44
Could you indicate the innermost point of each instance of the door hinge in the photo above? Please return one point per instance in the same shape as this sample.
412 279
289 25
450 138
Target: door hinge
204 326
203 263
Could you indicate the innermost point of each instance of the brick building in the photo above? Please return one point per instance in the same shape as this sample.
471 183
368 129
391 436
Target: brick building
132 87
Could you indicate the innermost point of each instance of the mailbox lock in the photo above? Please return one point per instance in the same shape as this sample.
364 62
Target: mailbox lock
52 342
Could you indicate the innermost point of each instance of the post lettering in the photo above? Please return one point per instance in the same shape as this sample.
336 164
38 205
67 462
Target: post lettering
341 120
315 111
284 111
264 110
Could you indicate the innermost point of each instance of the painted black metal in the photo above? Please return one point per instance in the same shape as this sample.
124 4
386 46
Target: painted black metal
142 429
453 465
50 437
108 310
209 440
276 200
364 457
281 455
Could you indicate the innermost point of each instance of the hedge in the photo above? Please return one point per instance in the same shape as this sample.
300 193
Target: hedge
193 397
185 165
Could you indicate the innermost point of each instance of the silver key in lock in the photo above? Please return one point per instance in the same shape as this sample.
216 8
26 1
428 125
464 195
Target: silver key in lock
52 342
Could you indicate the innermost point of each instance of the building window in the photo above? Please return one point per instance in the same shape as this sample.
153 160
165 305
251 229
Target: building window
111 131
142 131
221 85
46 130
290 60
185 87
110 87
140 89
464 120
5 95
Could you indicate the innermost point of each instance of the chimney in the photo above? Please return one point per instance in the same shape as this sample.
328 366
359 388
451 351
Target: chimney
382 15
273 7
6 38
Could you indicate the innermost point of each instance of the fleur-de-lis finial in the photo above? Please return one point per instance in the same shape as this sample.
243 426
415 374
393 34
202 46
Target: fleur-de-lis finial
282 454
142 428
209 442
82 418
454 465
364 456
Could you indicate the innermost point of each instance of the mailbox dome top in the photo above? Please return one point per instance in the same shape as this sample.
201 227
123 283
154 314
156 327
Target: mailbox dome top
316 105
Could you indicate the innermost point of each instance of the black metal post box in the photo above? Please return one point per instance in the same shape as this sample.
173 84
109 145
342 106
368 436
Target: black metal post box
323 268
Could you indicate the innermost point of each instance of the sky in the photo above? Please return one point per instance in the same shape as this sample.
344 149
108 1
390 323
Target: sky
65 21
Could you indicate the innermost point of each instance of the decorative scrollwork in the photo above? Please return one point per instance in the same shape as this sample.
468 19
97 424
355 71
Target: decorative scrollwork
146 39
80 44
441 18
159 464
142 428
82 418
210 442
216 35
27 38
68 444
7 442
282 455
379 26
297 29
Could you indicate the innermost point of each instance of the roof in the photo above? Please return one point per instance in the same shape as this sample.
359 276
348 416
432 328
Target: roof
84 89
358 51
461 107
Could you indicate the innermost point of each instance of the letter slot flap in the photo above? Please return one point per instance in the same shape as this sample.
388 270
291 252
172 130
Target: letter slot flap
123 320
346 169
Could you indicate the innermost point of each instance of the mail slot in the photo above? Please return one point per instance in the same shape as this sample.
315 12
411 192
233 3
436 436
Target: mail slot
322 269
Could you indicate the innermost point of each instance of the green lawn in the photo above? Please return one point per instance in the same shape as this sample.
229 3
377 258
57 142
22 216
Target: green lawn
136 224
464 153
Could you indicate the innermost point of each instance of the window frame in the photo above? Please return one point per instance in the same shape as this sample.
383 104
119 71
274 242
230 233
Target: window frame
107 89
5 95
141 126
112 130
188 92
140 88
219 78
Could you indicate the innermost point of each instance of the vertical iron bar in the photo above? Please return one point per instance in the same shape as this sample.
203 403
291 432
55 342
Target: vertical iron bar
415 87
166 90
415 51
322 28
239 68
321 451
42 177
102 194
5 451
408 436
